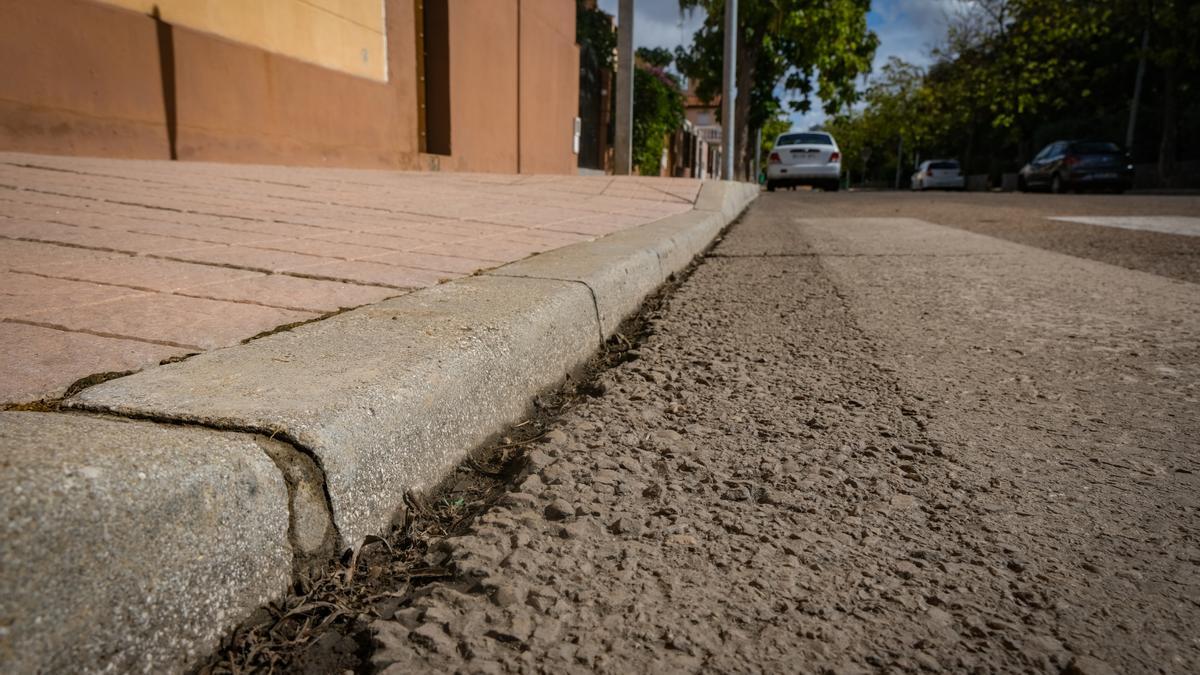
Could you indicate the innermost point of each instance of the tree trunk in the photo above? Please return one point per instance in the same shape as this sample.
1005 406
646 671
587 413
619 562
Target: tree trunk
1166 148
747 60
969 150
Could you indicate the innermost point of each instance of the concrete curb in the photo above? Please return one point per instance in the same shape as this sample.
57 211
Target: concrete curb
360 408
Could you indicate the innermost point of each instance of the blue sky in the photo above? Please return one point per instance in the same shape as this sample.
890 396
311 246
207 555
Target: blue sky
906 28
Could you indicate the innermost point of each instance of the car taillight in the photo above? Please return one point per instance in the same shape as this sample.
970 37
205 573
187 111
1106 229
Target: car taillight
775 158
1071 160
835 156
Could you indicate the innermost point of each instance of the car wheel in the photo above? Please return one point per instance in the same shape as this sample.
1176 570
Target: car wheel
832 186
1022 186
1057 186
770 186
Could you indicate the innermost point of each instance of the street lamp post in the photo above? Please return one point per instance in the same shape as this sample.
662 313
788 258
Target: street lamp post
729 89
623 136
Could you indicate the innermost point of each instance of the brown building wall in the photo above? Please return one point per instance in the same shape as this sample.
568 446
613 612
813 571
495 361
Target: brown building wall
83 78
64 91
239 103
549 87
483 86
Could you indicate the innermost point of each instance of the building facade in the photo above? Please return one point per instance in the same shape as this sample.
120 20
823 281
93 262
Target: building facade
702 115
463 85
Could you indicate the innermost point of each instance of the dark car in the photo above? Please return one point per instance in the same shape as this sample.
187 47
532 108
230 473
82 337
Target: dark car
1078 165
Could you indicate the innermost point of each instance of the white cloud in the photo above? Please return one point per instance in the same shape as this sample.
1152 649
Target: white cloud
910 29
659 23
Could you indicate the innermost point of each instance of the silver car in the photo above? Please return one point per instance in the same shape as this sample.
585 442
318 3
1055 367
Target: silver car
939 174
805 158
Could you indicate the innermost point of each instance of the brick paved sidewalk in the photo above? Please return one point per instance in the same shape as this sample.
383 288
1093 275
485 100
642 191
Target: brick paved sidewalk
114 265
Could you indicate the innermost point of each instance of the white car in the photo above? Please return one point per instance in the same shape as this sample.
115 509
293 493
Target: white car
805 158
939 174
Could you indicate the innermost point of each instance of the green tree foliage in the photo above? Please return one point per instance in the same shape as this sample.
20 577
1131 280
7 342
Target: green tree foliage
772 129
897 109
657 112
786 48
595 35
1016 74
659 57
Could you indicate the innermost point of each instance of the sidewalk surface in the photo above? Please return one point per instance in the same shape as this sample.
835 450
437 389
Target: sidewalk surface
115 265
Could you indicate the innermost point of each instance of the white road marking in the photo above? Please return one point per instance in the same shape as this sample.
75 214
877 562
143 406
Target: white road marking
1185 225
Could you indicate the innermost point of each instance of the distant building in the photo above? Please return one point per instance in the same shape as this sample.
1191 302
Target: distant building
703 117
467 85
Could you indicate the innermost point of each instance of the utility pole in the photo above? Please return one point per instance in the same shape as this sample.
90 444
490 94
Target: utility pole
729 89
1137 91
899 160
623 136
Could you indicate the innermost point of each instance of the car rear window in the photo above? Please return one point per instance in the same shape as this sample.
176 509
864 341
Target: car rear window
1094 147
944 165
805 139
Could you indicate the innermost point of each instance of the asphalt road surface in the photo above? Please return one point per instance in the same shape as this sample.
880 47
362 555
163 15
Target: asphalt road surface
871 432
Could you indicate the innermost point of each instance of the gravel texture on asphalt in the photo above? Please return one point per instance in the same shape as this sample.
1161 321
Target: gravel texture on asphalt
841 463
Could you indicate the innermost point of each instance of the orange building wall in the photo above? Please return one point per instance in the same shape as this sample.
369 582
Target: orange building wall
239 103
345 35
483 85
549 86
64 91
83 78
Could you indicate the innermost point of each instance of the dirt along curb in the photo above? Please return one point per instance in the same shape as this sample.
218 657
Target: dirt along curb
158 510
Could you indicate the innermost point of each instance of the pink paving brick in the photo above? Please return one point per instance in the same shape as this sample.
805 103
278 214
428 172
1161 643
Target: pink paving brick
438 257
418 231
375 273
91 237
152 274
37 362
549 238
200 233
471 229
488 252
320 247
34 256
382 242
248 258
171 319
204 239
24 294
289 292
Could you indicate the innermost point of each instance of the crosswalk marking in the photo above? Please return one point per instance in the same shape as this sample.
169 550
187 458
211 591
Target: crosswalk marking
1185 225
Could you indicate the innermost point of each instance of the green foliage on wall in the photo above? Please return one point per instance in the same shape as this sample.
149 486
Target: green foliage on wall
657 112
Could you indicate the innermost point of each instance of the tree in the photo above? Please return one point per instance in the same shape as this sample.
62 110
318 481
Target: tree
899 108
1174 27
657 112
1014 75
798 48
659 57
